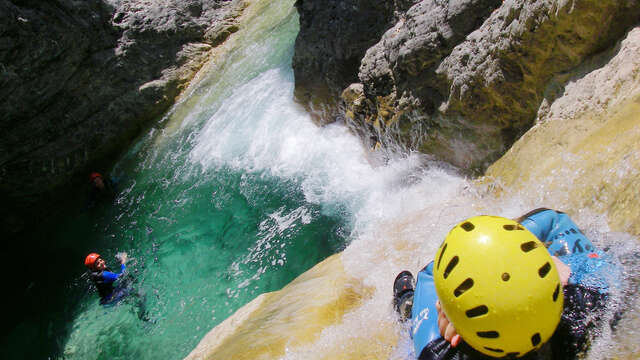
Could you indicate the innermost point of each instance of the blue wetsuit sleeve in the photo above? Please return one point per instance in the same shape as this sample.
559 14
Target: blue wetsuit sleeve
110 277
540 224
590 266
424 316
558 232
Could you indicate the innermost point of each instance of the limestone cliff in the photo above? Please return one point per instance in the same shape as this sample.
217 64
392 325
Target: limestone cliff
463 79
80 79
583 152
497 77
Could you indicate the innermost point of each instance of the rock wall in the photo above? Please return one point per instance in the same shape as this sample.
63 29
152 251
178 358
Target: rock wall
582 153
497 77
462 80
80 79
334 36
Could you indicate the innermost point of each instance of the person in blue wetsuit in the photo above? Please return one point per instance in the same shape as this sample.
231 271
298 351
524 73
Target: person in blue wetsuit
104 279
101 190
497 288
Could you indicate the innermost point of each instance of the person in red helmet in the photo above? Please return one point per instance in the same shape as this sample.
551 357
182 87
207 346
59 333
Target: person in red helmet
104 279
100 189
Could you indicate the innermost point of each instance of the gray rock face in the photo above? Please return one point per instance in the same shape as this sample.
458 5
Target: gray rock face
80 79
498 76
406 56
398 73
334 35
463 79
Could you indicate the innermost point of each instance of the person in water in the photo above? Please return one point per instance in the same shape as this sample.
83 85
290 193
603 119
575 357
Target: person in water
500 288
104 279
100 189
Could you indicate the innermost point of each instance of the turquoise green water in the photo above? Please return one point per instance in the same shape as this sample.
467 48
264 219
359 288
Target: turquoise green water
200 250
214 209
206 237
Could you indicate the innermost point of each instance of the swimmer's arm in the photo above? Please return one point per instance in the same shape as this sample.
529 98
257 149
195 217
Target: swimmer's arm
540 222
110 277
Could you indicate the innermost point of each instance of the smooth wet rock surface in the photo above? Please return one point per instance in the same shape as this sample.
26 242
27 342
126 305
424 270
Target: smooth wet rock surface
582 153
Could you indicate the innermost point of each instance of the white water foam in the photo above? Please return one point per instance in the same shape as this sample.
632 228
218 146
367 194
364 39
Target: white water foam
261 129
407 240
400 211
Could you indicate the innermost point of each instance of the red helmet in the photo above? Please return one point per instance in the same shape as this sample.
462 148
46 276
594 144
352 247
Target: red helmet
94 175
90 260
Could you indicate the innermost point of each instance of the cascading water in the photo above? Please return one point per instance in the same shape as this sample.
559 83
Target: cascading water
213 207
236 193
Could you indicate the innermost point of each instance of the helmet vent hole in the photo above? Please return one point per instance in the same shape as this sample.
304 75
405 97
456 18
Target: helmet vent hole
440 257
556 293
488 334
535 339
466 285
452 264
494 350
506 277
528 246
511 227
467 226
544 270
477 311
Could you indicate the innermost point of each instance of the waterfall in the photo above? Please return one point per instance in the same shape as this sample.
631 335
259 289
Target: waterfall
236 192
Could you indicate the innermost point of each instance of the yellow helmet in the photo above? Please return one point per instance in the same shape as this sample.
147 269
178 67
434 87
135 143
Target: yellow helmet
498 285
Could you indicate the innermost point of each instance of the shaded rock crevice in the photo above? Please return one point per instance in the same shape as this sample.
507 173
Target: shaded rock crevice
81 79
333 38
399 73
